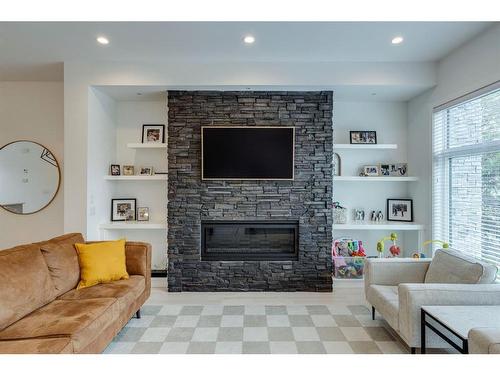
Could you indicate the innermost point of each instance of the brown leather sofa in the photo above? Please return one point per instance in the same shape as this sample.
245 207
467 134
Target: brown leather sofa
42 312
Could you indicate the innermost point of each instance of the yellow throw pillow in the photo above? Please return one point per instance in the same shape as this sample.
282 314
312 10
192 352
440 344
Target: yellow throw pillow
101 262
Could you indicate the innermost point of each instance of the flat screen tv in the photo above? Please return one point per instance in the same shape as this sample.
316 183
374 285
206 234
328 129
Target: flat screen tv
247 153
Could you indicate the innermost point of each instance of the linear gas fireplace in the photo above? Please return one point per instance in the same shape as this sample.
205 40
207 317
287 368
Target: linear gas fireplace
249 240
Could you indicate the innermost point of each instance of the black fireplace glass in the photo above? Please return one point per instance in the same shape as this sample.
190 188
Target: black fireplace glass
249 240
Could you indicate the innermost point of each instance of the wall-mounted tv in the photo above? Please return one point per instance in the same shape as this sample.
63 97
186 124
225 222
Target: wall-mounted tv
247 153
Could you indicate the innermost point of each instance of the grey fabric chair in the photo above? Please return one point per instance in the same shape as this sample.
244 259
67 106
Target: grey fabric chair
397 288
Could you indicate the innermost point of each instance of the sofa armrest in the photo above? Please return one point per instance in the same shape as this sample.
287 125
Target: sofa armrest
413 296
394 271
484 340
138 259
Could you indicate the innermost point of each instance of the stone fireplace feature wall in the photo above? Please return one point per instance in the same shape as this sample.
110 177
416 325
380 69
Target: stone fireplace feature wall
307 199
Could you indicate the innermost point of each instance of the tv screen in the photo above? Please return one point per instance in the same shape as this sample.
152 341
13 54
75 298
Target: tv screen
247 153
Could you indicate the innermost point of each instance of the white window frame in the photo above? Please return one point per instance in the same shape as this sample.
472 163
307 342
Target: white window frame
456 152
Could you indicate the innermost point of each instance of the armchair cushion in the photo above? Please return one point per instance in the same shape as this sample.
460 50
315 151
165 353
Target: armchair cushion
451 267
385 300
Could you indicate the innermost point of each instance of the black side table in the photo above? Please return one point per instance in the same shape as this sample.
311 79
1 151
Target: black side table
438 314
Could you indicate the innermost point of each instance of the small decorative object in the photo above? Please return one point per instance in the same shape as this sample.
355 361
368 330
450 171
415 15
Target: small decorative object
339 213
444 245
146 171
337 166
394 249
128 170
153 133
123 209
394 170
359 215
143 214
115 169
418 255
376 216
370 170
363 137
400 210
362 174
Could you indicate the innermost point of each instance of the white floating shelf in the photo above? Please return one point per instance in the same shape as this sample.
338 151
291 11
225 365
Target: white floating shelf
124 225
348 146
384 225
374 179
156 177
146 145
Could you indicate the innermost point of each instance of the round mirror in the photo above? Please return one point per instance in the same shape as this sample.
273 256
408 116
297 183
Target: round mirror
29 177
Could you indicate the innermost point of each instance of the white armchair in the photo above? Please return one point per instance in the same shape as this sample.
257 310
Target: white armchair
398 288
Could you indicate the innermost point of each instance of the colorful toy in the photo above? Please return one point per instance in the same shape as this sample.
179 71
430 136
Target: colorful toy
394 249
418 255
348 257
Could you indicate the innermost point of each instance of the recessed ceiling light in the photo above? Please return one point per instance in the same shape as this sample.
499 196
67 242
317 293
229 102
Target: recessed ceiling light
397 40
249 39
102 40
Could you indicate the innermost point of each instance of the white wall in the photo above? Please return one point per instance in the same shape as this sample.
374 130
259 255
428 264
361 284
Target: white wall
468 68
389 120
101 153
33 111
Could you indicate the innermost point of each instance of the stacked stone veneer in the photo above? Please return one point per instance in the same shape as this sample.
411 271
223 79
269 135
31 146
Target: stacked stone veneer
307 199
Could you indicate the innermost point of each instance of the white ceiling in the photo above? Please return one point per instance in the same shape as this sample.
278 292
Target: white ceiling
36 51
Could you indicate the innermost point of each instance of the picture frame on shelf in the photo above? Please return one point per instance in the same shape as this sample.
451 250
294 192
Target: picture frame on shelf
400 210
143 214
153 133
114 170
337 164
128 170
123 209
371 170
363 137
394 170
146 171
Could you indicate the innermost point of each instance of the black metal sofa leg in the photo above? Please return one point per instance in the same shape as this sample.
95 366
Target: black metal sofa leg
373 313
138 314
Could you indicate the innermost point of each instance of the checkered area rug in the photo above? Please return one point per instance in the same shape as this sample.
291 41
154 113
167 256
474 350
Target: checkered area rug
254 329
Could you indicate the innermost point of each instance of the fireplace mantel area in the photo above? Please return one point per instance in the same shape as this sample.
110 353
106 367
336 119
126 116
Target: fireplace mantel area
250 235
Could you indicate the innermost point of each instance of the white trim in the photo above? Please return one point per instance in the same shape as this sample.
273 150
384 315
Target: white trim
469 96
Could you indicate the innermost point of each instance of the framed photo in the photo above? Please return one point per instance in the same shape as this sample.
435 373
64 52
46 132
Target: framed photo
114 170
337 164
371 170
143 214
394 170
146 171
123 209
128 170
363 137
153 133
399 209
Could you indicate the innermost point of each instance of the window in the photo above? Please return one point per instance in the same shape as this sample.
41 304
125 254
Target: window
466 174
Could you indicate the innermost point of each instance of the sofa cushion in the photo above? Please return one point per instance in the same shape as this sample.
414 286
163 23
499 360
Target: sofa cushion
451 267
385 299
70 238
25 283
62 261
82 320
125 291
55 345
